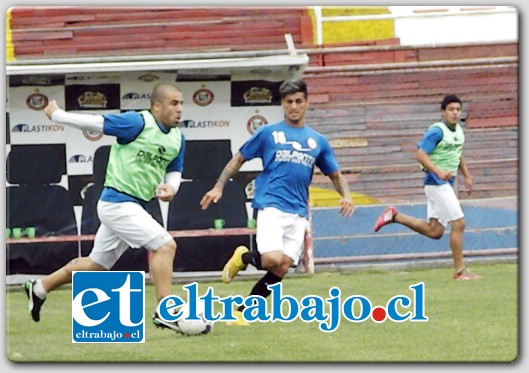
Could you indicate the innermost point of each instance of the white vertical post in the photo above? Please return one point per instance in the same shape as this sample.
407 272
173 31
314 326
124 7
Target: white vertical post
290 44
319 27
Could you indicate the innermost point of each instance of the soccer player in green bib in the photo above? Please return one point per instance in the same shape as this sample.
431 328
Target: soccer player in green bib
440 152
145 162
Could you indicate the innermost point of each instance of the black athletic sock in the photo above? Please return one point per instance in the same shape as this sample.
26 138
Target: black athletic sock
252 257
260 288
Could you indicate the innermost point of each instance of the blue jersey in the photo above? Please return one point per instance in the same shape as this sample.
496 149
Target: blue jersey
289 155
126 127
429 141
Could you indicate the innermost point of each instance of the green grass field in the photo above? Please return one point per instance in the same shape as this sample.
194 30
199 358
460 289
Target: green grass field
469 321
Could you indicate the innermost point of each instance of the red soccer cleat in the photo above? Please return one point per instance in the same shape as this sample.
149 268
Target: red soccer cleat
387 217
464 275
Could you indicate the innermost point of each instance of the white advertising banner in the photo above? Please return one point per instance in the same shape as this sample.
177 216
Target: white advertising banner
27 122
136 88
221 109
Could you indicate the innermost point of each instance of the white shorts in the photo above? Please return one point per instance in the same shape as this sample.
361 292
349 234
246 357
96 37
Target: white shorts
278 230
125 225
443 203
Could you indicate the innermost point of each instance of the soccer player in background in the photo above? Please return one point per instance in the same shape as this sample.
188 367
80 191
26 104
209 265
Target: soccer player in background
289 151
145 162
440 152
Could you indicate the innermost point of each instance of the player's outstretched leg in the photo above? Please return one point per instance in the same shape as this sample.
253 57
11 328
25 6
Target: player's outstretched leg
387 217
35 303
234 265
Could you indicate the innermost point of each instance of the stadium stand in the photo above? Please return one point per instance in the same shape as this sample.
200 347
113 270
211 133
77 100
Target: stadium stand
97 31
372 96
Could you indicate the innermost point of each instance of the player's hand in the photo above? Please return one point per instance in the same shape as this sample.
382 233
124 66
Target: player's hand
165 192
347 207
468 185
51 108
444 175
212 196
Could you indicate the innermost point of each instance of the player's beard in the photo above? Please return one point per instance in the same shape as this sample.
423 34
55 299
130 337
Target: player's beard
296 118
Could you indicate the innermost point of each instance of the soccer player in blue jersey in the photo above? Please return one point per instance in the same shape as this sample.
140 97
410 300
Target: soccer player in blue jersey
289 150
145 162
440 152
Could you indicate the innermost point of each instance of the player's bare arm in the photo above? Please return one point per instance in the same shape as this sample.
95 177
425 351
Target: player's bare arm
340 184
466 175
231 168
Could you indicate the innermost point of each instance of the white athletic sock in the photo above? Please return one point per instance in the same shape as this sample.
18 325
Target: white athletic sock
39 290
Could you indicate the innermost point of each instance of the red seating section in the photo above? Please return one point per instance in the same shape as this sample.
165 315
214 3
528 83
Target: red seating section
100 31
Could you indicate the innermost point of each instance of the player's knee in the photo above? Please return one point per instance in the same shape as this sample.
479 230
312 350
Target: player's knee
435 229
437 236
284 269
459 225
280 271
70 267
72 263
270 262
169 247
173 245
281 266
82 264
437 232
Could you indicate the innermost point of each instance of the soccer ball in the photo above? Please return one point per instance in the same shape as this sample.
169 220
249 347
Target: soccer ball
194 327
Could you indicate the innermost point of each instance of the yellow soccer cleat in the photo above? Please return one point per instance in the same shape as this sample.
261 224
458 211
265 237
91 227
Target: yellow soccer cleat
234 265
240 320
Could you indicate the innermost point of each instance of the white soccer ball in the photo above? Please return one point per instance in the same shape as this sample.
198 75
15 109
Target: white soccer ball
194 327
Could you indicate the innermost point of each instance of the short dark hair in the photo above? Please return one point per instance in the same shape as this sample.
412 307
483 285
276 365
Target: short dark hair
450 99
289 87
160 91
